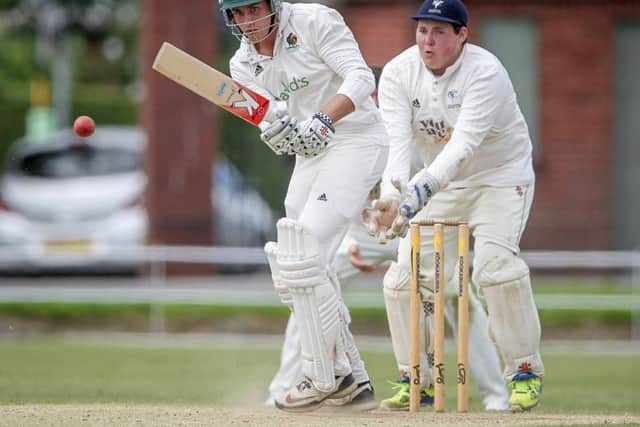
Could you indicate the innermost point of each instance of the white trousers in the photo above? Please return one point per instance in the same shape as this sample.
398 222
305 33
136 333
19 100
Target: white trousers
325 193
497 217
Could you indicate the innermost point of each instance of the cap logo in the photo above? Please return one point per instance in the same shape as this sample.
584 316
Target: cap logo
436 7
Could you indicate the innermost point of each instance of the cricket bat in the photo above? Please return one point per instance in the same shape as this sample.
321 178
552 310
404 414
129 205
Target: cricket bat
212 85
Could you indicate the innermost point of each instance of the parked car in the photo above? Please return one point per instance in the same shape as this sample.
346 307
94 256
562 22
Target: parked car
242 217
68 203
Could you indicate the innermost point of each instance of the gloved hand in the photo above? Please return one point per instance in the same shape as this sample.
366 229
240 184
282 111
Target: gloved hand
281 135
414 196
379 216
315 135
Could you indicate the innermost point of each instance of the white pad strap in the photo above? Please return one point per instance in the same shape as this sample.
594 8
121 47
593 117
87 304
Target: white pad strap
513 317
315 303
396 298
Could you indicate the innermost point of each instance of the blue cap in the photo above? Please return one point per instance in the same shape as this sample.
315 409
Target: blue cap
452 11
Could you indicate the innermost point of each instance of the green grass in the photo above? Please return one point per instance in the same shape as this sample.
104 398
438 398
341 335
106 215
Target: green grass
585 285
66 313
53 370
84 311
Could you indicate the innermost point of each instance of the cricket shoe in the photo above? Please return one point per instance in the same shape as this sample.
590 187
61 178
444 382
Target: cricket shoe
361 399
526 389
305 397
400 400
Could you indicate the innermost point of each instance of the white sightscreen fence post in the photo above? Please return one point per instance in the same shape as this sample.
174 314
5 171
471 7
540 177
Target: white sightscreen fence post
156 308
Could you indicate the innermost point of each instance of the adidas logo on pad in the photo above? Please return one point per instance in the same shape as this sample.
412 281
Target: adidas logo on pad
322 197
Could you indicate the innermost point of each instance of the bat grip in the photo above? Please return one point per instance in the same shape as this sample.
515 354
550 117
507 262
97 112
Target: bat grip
277 109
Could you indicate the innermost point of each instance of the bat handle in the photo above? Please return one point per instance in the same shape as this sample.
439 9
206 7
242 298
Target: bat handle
277 109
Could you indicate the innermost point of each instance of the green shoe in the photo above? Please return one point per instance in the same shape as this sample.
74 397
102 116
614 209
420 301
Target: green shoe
400 400
525 389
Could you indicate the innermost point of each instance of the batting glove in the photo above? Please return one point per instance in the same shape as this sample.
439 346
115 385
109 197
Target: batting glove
315 135
281 135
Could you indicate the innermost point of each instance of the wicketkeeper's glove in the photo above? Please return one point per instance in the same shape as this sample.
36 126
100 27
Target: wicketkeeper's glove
414 196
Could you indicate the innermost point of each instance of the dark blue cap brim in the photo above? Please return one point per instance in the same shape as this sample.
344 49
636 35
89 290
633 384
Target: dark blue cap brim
437 18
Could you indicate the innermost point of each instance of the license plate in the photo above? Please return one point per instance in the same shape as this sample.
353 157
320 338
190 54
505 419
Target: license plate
68 246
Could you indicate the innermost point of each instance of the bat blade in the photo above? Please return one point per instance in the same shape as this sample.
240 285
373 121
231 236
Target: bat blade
211 84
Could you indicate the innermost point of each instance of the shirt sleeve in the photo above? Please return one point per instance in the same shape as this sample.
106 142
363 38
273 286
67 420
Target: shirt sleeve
338 48
481 105
395 109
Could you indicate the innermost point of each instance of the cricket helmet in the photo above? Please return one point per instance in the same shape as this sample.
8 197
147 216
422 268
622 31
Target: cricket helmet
227 5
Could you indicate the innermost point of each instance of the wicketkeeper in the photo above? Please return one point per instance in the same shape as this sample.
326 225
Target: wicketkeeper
456 103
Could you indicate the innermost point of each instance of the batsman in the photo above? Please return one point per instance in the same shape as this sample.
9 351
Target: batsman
456 103
305 57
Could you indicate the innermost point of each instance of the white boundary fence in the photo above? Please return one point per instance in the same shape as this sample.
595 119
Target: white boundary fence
157 293
536 259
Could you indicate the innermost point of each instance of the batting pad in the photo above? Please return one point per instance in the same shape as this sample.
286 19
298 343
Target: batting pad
396 299
271 250
315 303
355 361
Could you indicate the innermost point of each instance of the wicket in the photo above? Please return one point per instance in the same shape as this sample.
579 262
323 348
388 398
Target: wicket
438 315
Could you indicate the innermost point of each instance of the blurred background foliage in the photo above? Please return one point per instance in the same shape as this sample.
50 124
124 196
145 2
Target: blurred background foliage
105 78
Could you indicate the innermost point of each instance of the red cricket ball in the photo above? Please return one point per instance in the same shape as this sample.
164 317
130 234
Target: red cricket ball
84 126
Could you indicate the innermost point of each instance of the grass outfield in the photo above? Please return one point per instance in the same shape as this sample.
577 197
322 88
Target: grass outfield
180 317
111 370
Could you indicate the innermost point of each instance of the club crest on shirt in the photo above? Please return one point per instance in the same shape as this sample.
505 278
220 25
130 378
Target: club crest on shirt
453 99
292 41
437 130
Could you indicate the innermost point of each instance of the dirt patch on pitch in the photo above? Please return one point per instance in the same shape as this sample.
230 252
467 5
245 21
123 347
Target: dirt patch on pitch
143 415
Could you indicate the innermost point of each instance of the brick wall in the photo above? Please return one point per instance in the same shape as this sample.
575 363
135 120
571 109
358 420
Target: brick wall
378 29
181 138
571 209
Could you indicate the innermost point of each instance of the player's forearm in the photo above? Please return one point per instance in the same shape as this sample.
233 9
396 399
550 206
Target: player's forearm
338 107
448 163
483 101
397 168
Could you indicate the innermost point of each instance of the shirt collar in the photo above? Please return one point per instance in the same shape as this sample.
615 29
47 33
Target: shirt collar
247 51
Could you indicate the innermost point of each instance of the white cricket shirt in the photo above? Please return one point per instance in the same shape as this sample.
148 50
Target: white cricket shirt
466 123
315 57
